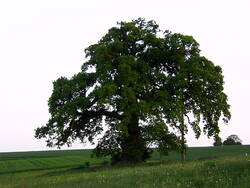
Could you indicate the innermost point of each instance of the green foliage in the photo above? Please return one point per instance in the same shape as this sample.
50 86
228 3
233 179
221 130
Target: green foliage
138 84
87 164
157 135
217 141
232 140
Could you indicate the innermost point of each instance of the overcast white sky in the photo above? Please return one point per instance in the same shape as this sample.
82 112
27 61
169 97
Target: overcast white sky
41 40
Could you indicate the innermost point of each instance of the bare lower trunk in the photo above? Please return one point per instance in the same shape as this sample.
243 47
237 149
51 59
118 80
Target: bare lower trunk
183 147
183 130
183 141
133 147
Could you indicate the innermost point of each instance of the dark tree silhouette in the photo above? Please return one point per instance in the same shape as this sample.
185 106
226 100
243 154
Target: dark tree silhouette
139 84
217 141
232 140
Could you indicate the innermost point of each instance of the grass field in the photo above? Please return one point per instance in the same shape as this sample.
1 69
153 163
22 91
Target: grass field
23 161
69 169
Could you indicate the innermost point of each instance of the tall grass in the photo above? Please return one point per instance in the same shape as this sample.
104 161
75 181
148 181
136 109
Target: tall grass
226 172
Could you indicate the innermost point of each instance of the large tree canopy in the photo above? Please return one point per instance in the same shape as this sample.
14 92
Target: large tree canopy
137 82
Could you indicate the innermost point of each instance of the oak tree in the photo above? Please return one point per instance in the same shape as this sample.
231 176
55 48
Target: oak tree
137 82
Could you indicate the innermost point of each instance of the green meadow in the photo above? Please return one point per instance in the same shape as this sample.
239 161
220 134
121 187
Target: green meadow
227 166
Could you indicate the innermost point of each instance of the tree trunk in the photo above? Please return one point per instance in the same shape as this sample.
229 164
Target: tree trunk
133 147
183 147
183 141
182 130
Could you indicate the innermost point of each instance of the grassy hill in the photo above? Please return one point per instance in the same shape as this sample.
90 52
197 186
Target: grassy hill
226 172
22 161
69 169
194 153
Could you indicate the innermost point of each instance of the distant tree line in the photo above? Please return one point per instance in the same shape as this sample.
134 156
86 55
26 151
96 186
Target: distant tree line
230 140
